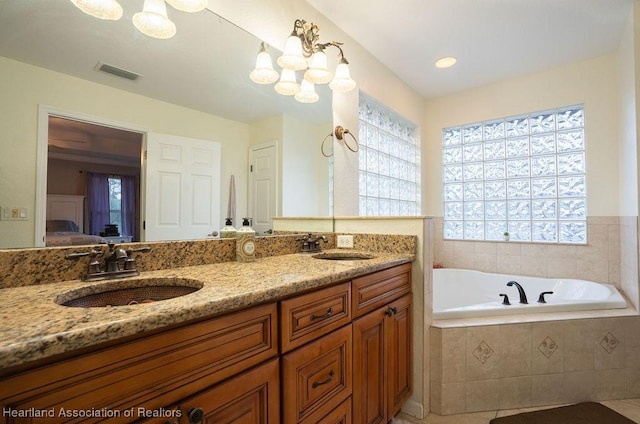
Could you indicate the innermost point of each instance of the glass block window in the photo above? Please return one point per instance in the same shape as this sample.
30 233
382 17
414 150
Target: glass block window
389 162
523 174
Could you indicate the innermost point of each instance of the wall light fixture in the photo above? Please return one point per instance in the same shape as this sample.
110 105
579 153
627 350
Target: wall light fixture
303 52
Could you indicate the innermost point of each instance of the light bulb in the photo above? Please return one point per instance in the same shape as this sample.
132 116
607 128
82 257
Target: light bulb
292 57
307 93
102 9
153 20
342 81
287 86
188 5
263 72
318 73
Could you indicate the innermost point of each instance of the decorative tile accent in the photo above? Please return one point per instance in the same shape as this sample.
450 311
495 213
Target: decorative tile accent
483 352
609 343
548 347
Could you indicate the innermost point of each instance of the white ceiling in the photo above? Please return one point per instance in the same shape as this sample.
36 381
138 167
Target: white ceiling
205 66
493 40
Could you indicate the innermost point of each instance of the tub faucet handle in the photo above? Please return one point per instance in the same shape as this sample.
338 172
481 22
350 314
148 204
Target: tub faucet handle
541 298
505 300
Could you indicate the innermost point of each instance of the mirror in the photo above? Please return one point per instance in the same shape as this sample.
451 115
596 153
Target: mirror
195 84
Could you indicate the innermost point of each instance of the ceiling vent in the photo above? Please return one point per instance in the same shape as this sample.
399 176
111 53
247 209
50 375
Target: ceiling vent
118 72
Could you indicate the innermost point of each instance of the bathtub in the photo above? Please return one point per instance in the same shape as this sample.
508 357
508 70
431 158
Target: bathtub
461 293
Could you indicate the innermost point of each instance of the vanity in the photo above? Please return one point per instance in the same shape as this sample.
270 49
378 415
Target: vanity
286 339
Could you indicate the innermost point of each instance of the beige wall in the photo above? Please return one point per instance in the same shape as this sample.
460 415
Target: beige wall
592 83
629 77
305 171
272 21
24 87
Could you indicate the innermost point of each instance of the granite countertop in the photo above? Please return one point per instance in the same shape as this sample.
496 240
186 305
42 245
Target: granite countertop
33 326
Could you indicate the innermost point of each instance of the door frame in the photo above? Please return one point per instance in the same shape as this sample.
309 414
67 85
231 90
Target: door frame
44 112
278 200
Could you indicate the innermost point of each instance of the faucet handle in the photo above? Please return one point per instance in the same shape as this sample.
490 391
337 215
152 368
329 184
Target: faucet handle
94 263
130 262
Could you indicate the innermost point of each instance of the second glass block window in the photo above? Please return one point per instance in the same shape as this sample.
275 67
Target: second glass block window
525 175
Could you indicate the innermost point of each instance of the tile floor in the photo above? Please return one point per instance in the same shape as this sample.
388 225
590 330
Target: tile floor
630 408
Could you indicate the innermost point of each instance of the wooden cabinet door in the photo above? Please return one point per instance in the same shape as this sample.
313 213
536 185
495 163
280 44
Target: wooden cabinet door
382 362
317 377
369 388
399 354
252 397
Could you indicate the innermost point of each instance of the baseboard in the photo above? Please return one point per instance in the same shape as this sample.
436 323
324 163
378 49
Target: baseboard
413 408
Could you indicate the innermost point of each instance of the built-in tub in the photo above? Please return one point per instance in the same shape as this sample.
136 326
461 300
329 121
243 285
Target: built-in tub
462 293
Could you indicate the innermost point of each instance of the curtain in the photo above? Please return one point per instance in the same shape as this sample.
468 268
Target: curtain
128 208
97 201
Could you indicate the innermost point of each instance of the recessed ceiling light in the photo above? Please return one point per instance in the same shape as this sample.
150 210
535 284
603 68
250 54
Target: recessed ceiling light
446 62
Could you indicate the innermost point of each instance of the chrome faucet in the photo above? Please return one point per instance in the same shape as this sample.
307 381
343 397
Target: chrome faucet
312 244
523 296
117 262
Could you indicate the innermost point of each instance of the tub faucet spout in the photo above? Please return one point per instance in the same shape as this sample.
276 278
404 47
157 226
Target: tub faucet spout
523 296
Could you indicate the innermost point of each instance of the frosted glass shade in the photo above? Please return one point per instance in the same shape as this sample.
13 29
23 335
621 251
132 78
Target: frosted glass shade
342 81
153 20
318 72
292 57
188 5
264 72
102 9
287 86
307 93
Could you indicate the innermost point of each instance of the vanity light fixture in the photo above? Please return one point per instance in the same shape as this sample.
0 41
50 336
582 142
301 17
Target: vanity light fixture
303 52
152 20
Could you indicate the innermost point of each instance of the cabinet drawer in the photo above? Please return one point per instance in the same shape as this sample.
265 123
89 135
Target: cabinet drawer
317 377
252 397
340 415
152 371
377 289
309 316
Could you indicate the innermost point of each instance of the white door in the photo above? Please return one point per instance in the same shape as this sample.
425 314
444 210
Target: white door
182 188
263 191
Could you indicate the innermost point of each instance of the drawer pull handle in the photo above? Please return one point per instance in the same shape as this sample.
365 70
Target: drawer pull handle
324 316
325 381
391 311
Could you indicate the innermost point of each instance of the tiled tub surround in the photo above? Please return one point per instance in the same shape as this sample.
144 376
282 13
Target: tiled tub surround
598 261
33 326
490 367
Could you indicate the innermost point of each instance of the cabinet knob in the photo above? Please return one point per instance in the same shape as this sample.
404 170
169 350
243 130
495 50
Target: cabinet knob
391 311
195 415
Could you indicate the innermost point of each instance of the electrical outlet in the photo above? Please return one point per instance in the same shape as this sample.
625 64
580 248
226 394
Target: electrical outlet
345 241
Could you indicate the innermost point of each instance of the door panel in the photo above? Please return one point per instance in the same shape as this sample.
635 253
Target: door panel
182 187
263 186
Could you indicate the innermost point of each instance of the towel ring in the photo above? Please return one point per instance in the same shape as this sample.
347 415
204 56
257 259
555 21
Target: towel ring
339 132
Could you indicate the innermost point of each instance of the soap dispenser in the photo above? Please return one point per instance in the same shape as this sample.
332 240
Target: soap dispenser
245 243
228 231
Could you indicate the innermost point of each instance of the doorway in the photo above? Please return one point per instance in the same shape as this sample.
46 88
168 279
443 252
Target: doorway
263 187
69 146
